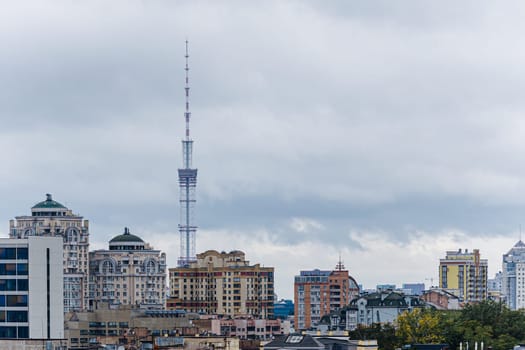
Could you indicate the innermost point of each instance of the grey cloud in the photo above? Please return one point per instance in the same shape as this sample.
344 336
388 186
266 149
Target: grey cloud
362 116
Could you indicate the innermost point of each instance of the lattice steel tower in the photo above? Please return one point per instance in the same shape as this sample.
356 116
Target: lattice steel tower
187 185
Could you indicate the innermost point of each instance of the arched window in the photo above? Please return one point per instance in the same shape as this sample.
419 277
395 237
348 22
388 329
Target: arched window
72 235
107 267
150 267
29 232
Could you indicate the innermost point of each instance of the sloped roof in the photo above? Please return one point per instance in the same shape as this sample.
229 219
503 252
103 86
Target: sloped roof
294 341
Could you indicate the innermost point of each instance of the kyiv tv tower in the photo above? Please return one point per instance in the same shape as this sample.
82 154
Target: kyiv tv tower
187 185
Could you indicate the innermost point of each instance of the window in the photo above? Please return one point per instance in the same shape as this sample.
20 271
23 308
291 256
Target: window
107 267
16 316
7 253
21 253
16 300
22 269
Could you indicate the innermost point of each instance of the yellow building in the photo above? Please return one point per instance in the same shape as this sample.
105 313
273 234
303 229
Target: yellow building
223 284
464 274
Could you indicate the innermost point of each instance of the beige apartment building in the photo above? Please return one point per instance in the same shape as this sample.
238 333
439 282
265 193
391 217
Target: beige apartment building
52 219
223 284
130 272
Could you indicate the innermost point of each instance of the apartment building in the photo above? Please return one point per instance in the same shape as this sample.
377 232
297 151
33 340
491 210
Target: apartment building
223 284
464 274
130 272
31 288
317 293
50 218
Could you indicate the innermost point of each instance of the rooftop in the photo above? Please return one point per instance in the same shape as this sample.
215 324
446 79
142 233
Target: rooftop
49 203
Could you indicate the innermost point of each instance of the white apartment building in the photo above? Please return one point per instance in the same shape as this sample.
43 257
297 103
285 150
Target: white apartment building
129 272
52 219
513 277
31 288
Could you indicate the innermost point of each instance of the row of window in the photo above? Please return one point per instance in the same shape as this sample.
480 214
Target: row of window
14 332
14 269
109 324
14 285
13 300
13 253
13 316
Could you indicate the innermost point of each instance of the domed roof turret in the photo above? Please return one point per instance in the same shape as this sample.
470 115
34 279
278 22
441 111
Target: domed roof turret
126 242
48 203
126 237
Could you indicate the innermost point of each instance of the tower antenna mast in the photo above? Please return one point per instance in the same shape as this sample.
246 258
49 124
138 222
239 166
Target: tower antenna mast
187 184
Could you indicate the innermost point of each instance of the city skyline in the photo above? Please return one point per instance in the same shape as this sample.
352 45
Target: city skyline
387 133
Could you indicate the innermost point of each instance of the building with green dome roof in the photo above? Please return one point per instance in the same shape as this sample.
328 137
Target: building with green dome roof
50 218
130 272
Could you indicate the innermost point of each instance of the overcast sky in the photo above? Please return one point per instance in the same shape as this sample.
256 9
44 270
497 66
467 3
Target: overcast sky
386 132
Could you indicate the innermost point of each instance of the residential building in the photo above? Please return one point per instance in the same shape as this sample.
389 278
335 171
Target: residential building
464 274
224 284
317 293
107 325
249 328
52 219
494 286
513 277
441 299
381 307
31 288
130 272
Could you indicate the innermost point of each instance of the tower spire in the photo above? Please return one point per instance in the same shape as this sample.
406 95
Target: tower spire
187 113
187 184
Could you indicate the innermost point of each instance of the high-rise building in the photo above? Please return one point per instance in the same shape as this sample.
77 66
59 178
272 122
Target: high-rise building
464 274
129 272
513 277
317 293
187 186
52 219
223 284
31 288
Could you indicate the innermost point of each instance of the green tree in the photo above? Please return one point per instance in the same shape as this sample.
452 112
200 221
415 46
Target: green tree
420 326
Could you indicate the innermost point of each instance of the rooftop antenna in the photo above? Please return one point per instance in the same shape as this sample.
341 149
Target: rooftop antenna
340 266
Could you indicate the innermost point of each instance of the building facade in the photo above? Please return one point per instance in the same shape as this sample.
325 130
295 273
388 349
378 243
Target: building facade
464 274
381 307
223 284
87 329
441 299
130 272
249 328
31 288
513 277
52 219
317 293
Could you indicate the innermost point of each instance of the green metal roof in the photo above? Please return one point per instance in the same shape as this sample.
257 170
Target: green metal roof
126 237
48 203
